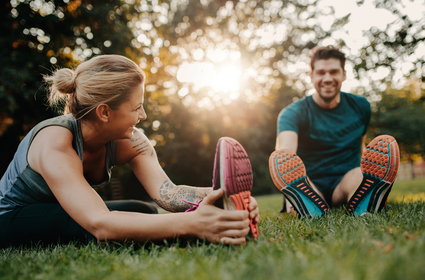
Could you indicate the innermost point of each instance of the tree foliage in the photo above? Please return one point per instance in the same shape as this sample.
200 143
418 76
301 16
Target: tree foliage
271 39
39 36
400 113
191 30
397 49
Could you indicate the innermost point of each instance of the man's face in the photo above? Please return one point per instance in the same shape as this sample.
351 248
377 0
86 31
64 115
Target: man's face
327 77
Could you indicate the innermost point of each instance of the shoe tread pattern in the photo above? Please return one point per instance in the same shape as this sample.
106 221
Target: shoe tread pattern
238 176
379 164
289 176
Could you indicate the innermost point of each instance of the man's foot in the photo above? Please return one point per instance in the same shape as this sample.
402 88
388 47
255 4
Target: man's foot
233 173
379 164
289 176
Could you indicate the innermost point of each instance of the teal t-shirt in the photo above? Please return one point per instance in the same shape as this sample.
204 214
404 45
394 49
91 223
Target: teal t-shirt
329 141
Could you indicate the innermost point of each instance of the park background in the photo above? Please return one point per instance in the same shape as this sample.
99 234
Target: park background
218 68
226 68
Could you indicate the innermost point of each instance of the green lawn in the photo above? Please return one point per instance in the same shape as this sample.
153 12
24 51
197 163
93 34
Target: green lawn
389 245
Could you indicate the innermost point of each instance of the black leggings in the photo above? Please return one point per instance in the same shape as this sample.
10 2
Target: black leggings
48 223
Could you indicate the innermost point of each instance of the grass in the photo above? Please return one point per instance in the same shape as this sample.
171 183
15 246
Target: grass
389 245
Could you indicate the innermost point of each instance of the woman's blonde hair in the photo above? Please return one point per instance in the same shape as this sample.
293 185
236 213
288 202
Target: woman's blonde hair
103 79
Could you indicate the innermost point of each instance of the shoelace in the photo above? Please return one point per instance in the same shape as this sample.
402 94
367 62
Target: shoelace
195 205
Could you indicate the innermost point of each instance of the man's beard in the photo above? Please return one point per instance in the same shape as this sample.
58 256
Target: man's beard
328 99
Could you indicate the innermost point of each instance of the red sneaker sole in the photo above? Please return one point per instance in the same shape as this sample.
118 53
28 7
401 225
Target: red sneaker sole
381 158
233 173
285 167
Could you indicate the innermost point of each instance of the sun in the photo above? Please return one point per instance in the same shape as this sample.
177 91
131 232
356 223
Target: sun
220 75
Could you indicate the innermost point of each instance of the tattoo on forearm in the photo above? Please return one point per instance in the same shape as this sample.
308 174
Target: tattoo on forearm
172 197
164 190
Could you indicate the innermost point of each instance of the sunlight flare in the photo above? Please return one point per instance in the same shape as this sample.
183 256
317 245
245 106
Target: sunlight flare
221 77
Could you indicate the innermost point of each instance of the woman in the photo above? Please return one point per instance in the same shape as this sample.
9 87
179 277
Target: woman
46 193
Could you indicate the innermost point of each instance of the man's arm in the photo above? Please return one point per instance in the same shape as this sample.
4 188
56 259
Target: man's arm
287 140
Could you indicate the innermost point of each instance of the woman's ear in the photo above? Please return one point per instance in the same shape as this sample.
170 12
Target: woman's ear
103 112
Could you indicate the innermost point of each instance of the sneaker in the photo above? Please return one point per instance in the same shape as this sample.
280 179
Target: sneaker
289 176
379 164
233 173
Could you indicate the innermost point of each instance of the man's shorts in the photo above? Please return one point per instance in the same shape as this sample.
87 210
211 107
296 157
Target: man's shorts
327 185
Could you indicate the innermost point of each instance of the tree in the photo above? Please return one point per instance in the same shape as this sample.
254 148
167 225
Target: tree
271 38
400 113
39 36
398 49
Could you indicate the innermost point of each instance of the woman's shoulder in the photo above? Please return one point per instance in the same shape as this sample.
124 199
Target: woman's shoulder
51 140
66 121
53 137
55 131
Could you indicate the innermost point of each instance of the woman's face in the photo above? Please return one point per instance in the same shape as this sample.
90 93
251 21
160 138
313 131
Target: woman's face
128 114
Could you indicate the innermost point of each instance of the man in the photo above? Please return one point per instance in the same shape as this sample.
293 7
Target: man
325 132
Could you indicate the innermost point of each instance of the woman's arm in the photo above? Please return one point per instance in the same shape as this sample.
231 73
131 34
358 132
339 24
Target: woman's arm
140 153
142 157
51 154
173 197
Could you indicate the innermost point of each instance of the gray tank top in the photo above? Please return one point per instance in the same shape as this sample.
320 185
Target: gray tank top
21 185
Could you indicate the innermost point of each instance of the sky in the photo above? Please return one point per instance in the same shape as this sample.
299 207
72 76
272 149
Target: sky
364 17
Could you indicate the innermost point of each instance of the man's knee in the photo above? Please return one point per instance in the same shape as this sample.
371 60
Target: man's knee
347 186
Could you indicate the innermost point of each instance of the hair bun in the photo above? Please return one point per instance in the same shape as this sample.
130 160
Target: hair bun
64 81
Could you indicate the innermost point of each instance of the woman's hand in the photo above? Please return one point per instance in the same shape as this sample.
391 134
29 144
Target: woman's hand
218 225
254 211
